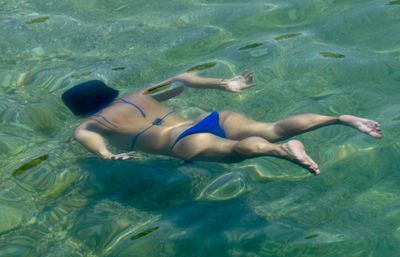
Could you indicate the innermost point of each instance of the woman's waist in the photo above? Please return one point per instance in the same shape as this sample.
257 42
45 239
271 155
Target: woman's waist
158 137
175 131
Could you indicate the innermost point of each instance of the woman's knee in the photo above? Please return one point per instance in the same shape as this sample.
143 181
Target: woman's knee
249 147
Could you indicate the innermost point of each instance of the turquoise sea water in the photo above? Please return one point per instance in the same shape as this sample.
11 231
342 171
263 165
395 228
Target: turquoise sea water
329 57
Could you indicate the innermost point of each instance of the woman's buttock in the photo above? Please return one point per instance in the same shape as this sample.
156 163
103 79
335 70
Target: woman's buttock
204 139
204 147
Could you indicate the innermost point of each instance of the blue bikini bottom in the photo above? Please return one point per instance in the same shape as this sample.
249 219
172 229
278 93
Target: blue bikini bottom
209 124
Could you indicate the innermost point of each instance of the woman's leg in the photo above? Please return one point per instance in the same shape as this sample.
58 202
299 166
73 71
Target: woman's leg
207 147
238 126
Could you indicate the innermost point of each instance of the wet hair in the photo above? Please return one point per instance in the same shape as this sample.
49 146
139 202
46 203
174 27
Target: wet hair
89 97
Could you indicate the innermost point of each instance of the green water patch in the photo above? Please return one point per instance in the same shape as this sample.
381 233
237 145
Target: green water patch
395 2
29 165
311 236
332 55
41 117
288 35
10 218
203 66
261 49
255 45
159 89
144 233
82 74
69 140
225 187
118 68
323 94
37 20
15 137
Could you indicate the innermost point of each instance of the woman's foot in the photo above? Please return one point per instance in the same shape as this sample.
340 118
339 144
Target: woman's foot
369 127
296 153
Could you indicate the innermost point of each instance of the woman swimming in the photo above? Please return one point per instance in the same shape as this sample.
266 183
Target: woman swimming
139 121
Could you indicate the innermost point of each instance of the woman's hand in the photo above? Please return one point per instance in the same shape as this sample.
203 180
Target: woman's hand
236 84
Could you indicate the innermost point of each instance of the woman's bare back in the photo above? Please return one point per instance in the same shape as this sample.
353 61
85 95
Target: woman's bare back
137 121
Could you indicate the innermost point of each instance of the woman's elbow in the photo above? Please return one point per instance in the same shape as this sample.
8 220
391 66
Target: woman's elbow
78 134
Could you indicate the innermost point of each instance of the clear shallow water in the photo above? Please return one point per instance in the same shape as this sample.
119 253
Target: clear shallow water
327 57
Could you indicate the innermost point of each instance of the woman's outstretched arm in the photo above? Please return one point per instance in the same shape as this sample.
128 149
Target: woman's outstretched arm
161 92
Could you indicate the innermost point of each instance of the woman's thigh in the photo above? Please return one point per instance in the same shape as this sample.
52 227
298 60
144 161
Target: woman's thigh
238 127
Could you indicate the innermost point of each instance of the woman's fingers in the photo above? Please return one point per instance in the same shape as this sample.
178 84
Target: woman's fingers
248 76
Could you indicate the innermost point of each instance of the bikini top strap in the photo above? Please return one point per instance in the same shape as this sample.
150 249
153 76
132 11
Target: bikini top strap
134 105
104 119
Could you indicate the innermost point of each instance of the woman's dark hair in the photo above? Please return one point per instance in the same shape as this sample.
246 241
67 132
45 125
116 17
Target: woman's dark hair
89 97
